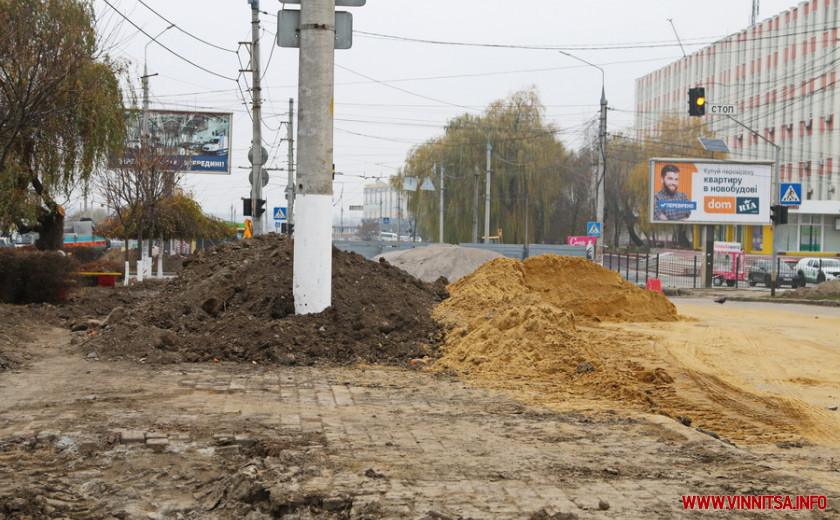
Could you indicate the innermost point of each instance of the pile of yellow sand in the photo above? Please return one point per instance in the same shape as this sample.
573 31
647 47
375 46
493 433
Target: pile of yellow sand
540 317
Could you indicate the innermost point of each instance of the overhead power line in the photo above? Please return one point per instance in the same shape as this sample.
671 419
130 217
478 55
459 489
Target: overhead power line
127 19
176 26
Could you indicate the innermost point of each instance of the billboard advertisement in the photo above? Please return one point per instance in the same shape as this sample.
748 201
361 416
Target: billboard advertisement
696 191
197 142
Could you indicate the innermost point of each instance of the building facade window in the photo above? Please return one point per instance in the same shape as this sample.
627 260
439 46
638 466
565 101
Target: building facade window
810 233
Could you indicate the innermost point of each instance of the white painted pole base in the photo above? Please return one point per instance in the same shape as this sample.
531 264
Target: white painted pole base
312 268
127 272
140 265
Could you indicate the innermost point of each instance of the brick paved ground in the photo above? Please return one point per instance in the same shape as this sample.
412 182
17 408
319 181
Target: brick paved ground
95 439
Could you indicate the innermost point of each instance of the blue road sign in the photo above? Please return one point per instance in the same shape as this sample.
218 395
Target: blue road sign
279 213
593 229
790 193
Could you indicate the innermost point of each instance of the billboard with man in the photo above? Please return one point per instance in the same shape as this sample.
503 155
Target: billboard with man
688 191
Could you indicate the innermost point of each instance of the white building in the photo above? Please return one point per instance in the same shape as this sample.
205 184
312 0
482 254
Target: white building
382 201
781 75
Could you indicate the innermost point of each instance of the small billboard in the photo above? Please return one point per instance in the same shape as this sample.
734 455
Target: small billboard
198 142
697 191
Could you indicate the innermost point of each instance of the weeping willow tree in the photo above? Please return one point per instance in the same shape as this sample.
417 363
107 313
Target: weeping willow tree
61 111
535 182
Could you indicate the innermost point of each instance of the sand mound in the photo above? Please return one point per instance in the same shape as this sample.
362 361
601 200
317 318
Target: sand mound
571 284
512 319
429 263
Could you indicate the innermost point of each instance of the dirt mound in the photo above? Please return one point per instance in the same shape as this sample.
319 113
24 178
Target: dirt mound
512 319
827 289
449 261
234 302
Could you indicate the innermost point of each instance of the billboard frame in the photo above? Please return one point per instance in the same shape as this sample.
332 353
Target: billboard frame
720 192
191 134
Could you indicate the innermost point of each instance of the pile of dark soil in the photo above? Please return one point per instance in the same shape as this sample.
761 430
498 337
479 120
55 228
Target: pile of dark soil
234 302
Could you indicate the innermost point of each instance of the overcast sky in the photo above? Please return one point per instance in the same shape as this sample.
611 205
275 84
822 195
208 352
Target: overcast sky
413 66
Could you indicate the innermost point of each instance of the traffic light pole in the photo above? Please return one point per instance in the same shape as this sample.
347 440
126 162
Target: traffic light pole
774 200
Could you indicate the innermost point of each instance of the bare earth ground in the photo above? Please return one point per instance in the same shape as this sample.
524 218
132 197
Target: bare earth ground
557 392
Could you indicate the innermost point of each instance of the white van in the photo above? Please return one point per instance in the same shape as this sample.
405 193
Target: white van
387 237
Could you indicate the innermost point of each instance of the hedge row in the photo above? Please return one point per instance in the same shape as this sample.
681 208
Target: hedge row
33 276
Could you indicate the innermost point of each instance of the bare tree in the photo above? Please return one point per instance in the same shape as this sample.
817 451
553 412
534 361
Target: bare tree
134 187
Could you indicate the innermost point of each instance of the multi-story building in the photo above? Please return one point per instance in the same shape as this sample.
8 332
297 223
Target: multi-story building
781 75
386 205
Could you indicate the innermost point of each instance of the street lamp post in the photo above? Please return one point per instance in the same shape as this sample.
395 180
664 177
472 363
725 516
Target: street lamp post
144 133
774 199
145 124
602 161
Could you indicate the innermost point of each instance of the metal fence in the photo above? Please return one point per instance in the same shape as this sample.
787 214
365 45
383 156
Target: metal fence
671 270
679 269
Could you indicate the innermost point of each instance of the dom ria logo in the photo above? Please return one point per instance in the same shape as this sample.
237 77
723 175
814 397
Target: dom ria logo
746 205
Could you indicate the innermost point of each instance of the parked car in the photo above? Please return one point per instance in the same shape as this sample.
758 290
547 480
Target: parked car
761 272
817 270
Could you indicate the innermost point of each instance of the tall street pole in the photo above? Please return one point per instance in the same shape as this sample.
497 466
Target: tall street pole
440 220
602 160
475 210
312 269
487 195
144 125
256 117
290 184
775 197
602 171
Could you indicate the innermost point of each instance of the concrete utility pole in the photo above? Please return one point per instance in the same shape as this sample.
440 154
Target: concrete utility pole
487 196
602 175
475 209
290 184
144 138
312 269
442 170
602 159
256 116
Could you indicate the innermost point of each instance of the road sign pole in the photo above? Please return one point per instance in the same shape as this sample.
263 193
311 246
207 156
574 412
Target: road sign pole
774 196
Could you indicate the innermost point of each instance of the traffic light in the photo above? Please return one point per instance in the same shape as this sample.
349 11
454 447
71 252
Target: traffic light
333 171
779 214
697 101
260 208
246 207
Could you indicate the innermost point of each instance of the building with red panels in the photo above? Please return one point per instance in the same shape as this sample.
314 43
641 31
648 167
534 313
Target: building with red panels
781 77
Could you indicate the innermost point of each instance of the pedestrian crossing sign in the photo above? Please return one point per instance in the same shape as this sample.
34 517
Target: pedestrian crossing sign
279 213
593 229
790 193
